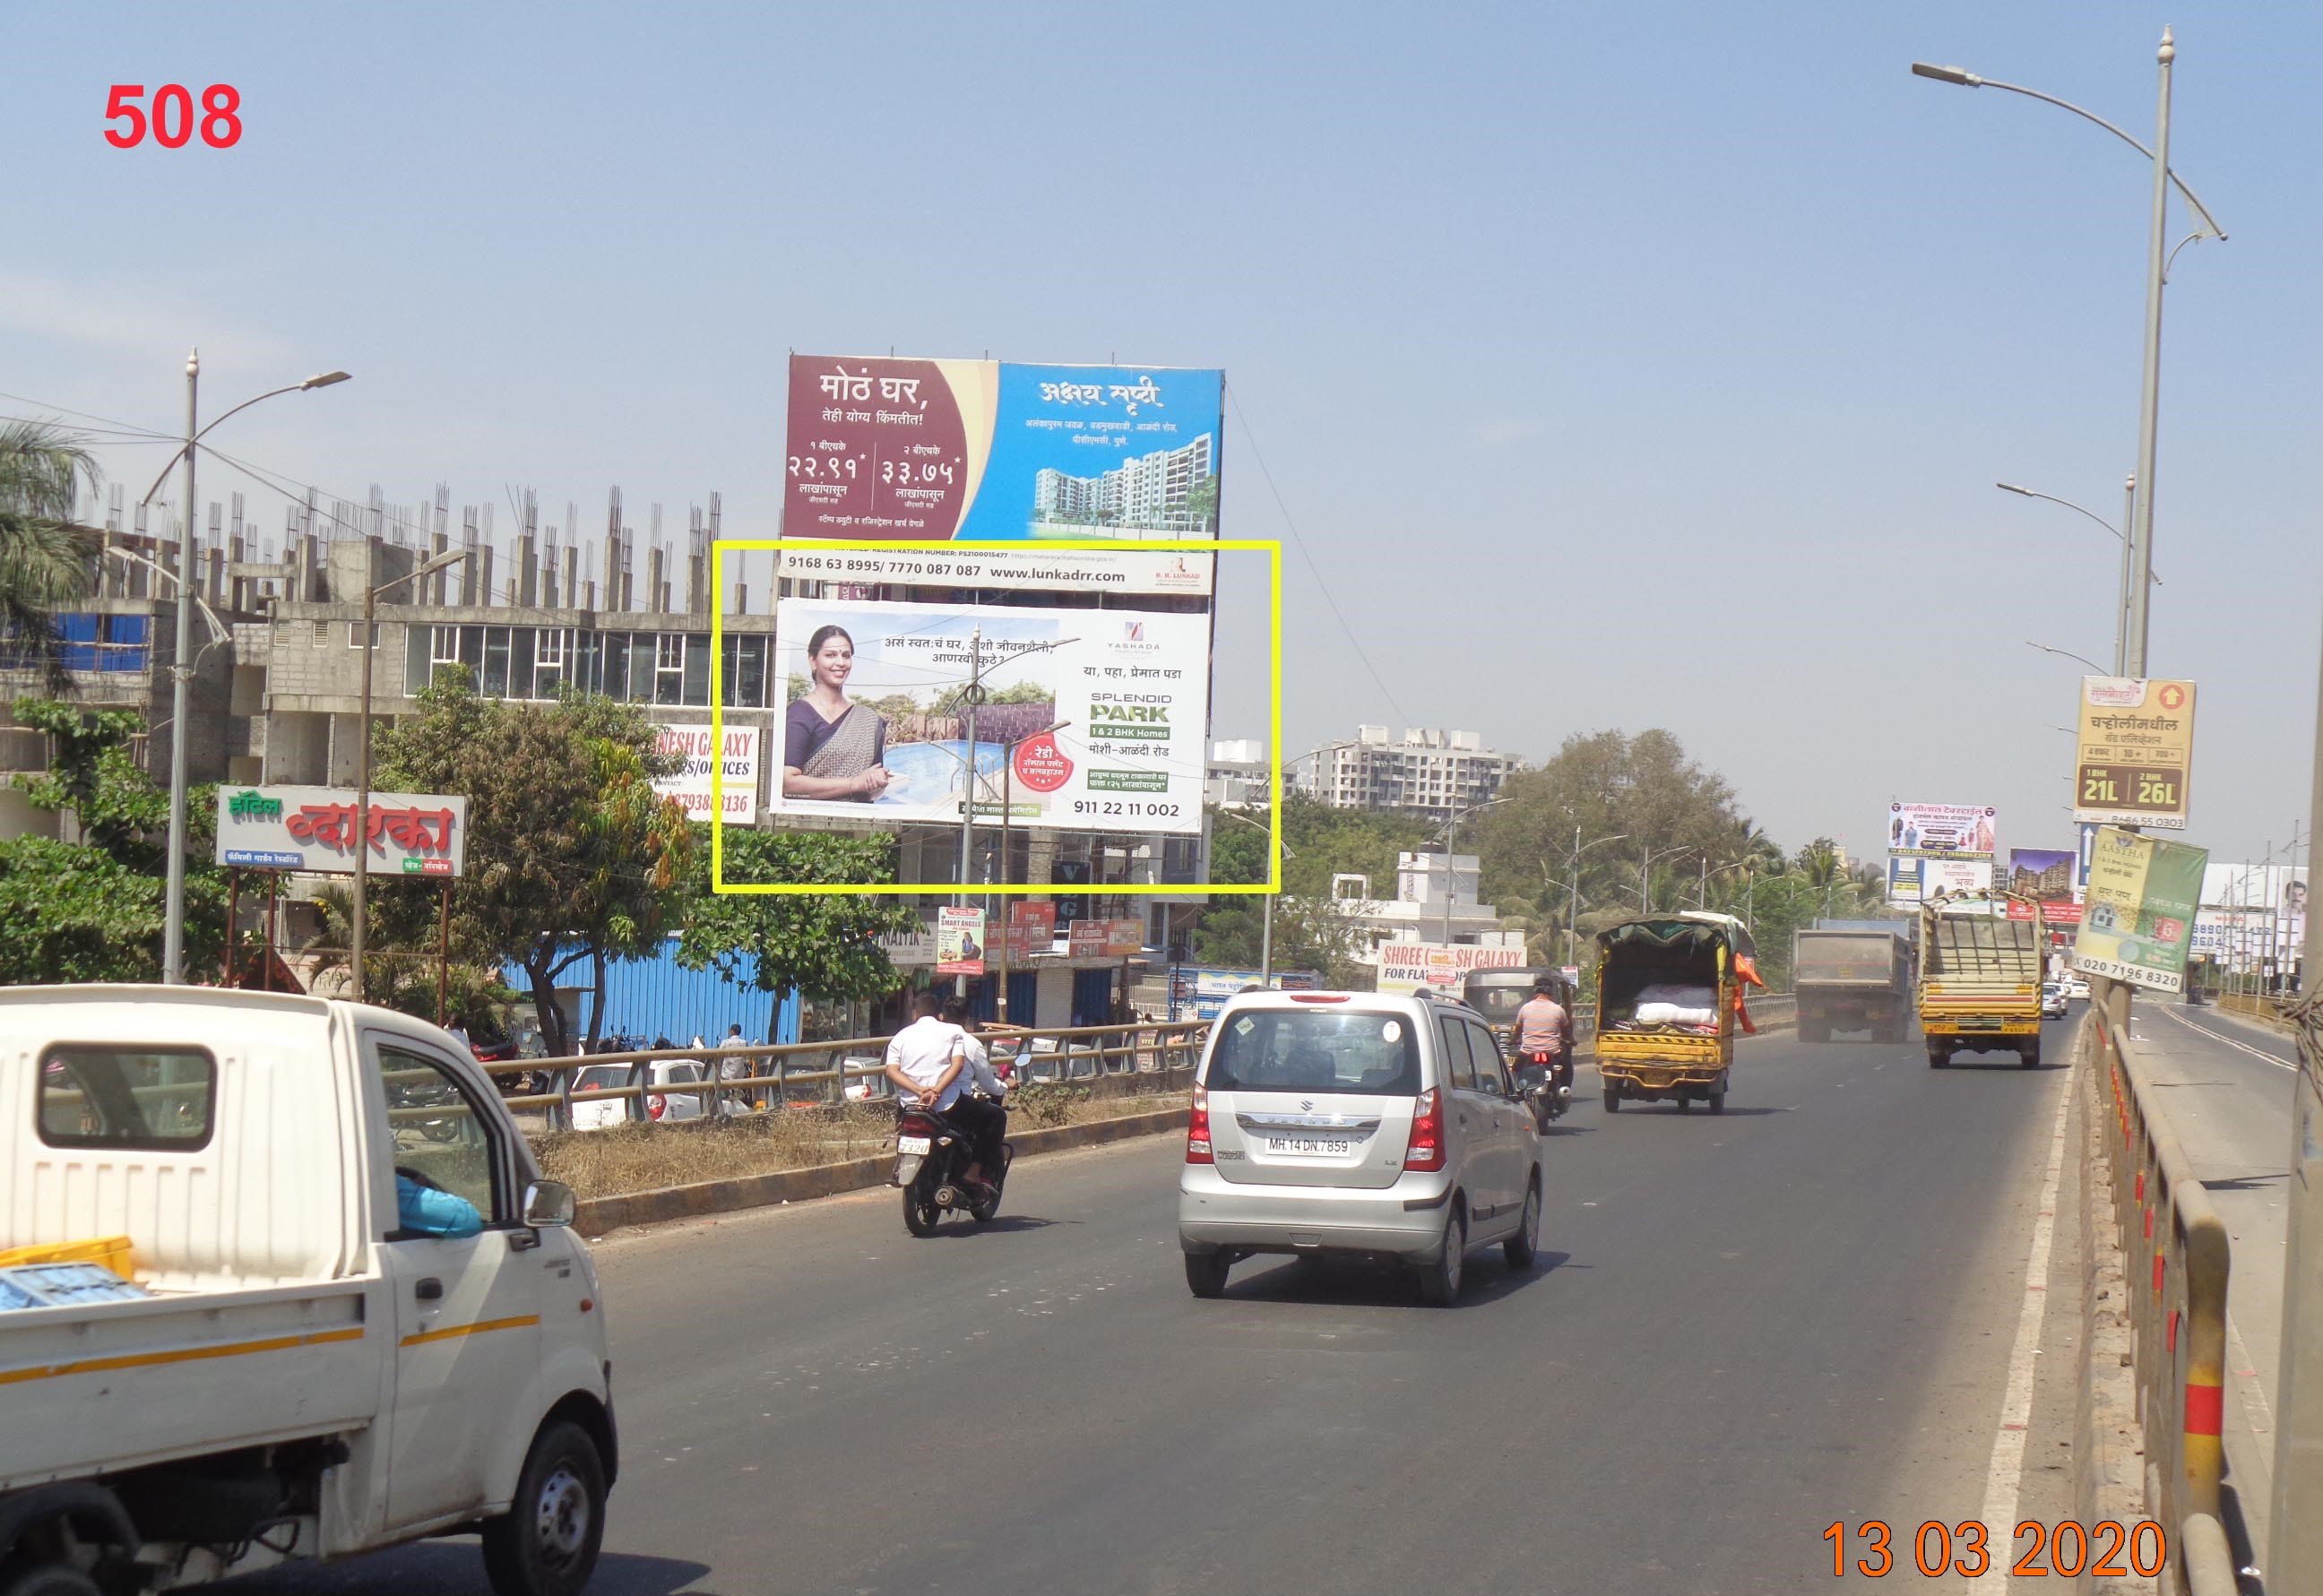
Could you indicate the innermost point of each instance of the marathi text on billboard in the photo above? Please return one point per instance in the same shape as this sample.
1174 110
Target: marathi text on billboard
1940 831
944 449
2136 754
313 831
1091 720
690 785
1914 881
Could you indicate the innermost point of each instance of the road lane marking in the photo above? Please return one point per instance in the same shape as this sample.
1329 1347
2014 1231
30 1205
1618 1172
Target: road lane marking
2006 1474
2240 1047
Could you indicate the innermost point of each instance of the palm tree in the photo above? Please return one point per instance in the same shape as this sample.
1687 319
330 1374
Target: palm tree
44 554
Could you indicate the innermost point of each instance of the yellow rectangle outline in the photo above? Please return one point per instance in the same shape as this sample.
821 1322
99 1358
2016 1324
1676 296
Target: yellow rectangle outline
1269 546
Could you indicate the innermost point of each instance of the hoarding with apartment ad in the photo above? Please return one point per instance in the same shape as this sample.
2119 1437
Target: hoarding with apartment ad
978 449
1914 881
2050 877
690 785
1940 831
2139 920
1091 720
2137 752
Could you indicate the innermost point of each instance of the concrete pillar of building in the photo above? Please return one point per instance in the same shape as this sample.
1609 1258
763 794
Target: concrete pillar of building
528 572
655 588
483 564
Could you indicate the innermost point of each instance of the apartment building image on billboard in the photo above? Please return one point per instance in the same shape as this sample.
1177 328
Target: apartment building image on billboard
1173 492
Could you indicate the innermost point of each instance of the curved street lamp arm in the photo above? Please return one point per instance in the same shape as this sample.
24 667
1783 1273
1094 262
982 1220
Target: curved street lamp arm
2068 504
2069 654
2068 104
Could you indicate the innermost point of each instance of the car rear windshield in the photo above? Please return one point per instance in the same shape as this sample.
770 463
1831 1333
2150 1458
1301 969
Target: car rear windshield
1316 1051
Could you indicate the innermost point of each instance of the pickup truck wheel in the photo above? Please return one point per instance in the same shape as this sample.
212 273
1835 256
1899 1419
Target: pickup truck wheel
1938 1055
1718 1098
51 1579
546 1544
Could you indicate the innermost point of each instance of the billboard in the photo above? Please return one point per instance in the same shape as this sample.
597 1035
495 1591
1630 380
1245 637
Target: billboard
2266 904
1032 929
2139 921
1203 991
2137 752
1914 881
312 829
690 785
1049 570
876 726
1405 968
1940 831
1105 938
2052 878
972 449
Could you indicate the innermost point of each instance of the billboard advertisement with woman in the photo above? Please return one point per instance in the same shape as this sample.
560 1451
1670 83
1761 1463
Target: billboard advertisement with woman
1089 720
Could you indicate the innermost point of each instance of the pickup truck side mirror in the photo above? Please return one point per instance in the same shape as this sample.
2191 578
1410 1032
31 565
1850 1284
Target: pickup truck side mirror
547 1202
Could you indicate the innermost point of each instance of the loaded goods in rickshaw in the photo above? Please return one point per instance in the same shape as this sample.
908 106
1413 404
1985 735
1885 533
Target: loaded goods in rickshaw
1669 994
1980 976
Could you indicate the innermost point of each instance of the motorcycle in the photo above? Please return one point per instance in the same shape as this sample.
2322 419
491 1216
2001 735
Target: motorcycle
932 1159
1545 1084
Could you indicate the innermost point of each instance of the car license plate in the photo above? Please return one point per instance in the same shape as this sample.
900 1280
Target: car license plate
1309 1146
920 1145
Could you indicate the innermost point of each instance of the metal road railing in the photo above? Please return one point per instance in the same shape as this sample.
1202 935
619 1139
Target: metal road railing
2178 1261
814 1074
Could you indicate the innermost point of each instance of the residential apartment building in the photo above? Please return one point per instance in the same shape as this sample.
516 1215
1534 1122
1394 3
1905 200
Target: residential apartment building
1151 492
1238 776
1430 772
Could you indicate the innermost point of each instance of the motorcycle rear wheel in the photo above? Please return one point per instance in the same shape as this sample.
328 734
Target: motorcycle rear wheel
921 1215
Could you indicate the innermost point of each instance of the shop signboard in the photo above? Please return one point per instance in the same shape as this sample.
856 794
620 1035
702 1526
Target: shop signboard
312 831
1914 881
2136 754
2139 919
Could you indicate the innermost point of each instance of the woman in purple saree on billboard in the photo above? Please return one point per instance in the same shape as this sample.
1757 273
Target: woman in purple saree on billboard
833 747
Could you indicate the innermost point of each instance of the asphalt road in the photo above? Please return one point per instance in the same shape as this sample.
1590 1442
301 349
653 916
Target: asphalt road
1741 1330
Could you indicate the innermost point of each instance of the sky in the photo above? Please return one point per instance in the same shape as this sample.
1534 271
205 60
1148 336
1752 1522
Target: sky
1600 367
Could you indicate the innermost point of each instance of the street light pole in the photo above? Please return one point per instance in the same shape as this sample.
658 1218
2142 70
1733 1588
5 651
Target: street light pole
2141 533
2157 269
2121 534
173 914
1572 889
173 910
360 919
1451 830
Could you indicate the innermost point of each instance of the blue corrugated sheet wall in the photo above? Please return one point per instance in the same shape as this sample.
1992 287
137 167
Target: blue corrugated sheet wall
654 997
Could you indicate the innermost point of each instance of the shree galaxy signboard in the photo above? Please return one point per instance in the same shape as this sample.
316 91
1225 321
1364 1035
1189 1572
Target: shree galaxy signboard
978 449
313 831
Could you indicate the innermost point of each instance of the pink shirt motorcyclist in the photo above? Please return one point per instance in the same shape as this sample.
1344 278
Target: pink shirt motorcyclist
1543 1027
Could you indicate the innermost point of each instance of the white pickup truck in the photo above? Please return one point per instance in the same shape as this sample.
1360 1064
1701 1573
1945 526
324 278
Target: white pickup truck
324 1365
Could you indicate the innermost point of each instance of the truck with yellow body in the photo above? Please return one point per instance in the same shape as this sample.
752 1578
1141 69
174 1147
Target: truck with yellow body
1980 976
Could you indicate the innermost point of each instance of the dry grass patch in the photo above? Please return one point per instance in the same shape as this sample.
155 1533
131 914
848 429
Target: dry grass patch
634 1157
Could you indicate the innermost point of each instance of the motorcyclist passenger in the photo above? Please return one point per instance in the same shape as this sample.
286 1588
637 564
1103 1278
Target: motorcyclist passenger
981 1109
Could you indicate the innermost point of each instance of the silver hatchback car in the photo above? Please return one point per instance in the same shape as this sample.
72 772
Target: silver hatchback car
1357 1123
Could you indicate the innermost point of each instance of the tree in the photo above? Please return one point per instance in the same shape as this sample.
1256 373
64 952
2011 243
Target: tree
44 555
404 979
1643 789
92 908
823 946
571 857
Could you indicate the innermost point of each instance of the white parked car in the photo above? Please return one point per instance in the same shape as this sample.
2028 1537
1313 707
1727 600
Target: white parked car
603 1112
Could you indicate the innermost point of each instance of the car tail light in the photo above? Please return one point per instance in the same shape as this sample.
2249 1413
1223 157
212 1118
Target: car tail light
656 1104
1318 997
1424 1149
1197 1129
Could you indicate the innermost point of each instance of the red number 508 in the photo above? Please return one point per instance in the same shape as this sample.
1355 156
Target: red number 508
173 115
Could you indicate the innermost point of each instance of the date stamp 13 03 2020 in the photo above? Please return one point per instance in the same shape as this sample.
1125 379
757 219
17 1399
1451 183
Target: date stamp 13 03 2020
2107 1549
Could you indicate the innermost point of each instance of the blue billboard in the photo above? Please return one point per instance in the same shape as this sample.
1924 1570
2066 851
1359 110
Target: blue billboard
984 450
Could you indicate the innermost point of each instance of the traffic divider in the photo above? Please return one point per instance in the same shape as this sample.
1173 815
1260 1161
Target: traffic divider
2179 1262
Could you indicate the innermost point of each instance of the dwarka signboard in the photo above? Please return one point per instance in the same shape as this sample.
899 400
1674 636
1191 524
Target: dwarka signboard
2139 920
313 831
2137 752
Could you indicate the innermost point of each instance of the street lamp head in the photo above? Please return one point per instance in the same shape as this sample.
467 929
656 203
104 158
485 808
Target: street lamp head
326 379
451 557
1966 79
2013 488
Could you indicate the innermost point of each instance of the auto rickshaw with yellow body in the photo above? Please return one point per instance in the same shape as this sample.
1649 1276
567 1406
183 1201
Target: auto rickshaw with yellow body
1669 994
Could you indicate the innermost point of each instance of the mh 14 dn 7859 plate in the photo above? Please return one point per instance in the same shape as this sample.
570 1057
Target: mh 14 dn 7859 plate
1309 1146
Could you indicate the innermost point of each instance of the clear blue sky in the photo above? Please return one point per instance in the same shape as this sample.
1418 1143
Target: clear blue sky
1621 366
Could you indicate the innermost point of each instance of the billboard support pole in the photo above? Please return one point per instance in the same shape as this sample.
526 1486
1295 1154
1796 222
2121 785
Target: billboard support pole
967 787
1000 906
232 913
